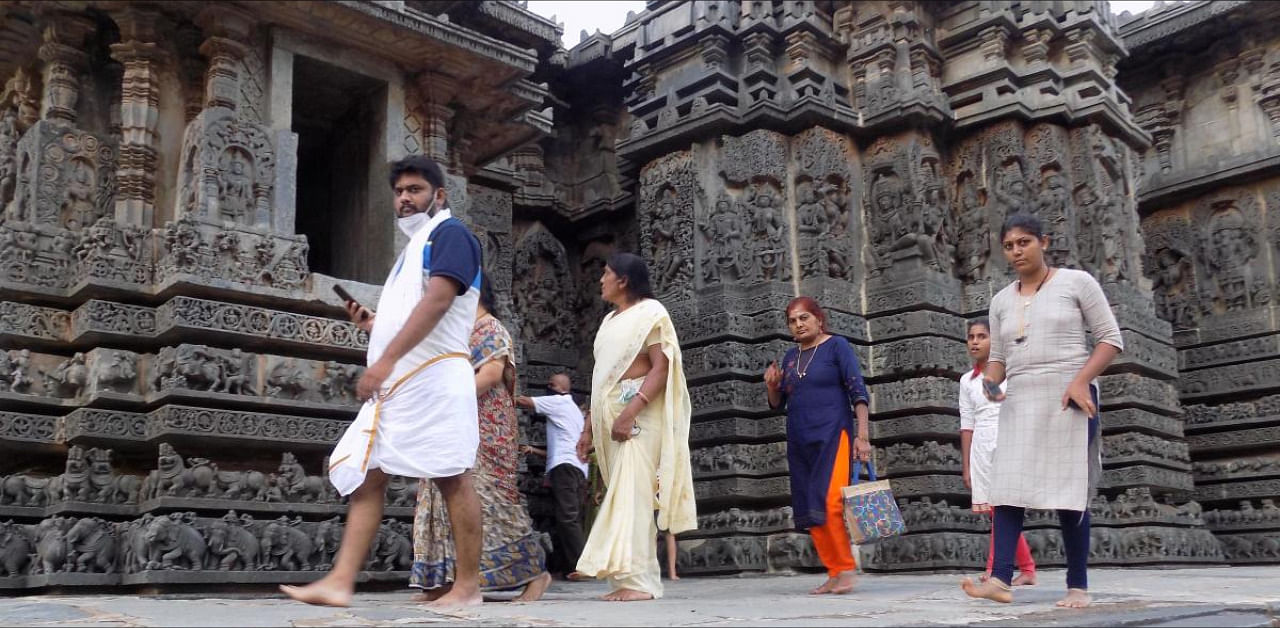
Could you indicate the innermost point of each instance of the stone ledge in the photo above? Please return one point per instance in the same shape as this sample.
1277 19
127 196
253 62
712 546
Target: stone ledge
1240 440
1230 352
1260 377
1234 492
738 429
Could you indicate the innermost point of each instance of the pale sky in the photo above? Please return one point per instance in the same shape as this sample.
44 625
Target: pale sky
609 16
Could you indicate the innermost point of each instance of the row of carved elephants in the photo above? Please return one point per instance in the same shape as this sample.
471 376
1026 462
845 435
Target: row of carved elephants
183 541
1130 507
90 478
1118 546
195 368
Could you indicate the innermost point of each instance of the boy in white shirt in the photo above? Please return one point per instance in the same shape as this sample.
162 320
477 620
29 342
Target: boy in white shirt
979 423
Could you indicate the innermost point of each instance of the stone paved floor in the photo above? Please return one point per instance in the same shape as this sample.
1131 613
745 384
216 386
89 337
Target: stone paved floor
1241 596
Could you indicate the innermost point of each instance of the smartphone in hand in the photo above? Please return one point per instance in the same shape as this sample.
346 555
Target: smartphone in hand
347 298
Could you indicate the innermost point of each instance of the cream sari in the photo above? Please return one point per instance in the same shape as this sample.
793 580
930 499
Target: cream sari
622 546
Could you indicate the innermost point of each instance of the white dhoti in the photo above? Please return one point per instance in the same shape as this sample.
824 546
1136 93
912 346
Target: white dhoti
424 423
424 427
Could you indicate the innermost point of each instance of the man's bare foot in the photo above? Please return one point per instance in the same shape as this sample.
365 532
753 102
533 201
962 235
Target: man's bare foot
992 589
534 590
671 575
1025 579
577 576
431 595
1076 598
458 597
845 583
825 587
986 575
627 595
323 592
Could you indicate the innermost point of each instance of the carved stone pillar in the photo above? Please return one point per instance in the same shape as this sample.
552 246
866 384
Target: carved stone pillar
437 92
226 27
139 112
64 61
192 69
1228 72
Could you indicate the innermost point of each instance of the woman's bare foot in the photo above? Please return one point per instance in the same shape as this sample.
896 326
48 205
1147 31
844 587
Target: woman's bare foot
1025 579
322 592
671 574
1076 598
431 595
992 589
825 587
986 575
845 583
627 595
459 597
534 590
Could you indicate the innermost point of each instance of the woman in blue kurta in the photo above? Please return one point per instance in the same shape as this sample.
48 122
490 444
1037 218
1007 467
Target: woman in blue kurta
820 386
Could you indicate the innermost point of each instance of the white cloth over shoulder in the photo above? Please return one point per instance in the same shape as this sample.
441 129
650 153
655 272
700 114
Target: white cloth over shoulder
424 424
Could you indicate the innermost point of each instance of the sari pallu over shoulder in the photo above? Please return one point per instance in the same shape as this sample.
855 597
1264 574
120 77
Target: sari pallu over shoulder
620 339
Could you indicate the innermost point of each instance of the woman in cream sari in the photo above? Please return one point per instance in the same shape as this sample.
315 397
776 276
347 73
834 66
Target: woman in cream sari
639 428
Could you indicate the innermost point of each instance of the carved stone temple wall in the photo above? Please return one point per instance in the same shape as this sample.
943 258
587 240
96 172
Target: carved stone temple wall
172 371
174 366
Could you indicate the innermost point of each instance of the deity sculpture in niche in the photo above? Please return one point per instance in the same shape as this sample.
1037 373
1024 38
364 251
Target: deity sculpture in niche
65 177
78 210
835 209
540 285
811 224
886 220
974 242
667 256
1010 193
228 169
235 187
1051 207
1230 248
724 233
768 229
8 157
1170 285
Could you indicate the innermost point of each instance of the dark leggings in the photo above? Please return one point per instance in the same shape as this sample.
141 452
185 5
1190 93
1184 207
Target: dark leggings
1007 526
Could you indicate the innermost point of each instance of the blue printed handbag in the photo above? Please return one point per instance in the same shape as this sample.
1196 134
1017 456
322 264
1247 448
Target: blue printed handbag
870 512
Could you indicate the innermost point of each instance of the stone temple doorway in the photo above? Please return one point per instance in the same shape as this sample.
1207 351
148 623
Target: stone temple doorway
342 204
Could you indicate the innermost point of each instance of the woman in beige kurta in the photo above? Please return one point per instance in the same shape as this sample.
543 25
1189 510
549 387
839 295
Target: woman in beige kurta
639 427
1047 450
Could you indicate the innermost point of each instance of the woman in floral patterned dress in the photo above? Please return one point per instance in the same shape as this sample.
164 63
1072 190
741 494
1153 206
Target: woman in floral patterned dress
511 555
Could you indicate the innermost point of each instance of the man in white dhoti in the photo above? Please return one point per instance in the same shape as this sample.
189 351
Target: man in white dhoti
419 416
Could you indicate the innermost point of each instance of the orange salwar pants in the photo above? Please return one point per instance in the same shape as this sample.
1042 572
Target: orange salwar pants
831 539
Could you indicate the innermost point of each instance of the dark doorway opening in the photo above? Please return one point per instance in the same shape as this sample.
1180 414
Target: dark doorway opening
338 116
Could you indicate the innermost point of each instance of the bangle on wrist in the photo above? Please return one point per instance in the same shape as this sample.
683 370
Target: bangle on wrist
641 395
